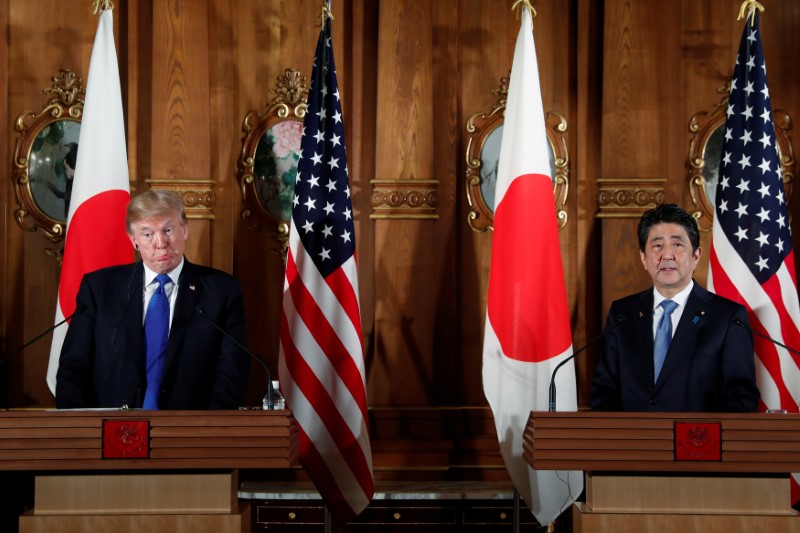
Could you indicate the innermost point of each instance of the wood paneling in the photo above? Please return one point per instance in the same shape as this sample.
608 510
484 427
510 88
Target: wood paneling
626 74
415 91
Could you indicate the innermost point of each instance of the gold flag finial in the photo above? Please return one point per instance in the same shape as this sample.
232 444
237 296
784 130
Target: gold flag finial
103 5
519 5
749 8
326 13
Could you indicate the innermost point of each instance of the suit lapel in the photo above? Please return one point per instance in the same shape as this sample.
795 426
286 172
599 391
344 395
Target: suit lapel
692 321
188 294
131 334
643 334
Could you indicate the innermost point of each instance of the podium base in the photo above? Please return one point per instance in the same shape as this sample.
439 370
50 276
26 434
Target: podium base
669 503
584 520
151 501
238 521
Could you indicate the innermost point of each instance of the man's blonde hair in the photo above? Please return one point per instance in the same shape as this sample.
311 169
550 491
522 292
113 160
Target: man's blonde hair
154 203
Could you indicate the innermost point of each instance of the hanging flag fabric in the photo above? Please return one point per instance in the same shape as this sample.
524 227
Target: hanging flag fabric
752 258
527 329
95 236
322 373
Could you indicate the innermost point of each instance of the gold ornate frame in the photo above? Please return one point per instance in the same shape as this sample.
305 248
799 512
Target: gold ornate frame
480 129
705 147
62 110
288 104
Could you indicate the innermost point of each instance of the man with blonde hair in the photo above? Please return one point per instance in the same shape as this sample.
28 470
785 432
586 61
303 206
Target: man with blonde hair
141 340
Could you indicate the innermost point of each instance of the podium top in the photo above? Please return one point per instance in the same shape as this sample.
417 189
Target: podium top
636 442
146 440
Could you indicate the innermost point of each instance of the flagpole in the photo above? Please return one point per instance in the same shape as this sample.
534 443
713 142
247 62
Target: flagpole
516 517
749 8
101 5
328 520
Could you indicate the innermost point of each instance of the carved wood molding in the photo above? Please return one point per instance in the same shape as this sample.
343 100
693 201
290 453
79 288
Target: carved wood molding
404 199
628 197
484 131
198 196
44 150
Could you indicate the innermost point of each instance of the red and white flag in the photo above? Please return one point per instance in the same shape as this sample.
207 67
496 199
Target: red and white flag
322 373
527 320
96 236
752 258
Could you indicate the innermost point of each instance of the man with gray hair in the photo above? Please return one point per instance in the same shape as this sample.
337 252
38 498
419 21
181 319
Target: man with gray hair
675 346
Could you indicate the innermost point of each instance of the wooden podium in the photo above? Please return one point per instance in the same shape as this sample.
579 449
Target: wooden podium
665 472
109 470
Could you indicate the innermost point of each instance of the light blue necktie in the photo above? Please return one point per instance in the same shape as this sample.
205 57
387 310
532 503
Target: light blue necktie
663 337
156 332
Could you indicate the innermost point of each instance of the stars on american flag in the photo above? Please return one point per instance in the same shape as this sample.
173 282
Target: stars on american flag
322 206
750 202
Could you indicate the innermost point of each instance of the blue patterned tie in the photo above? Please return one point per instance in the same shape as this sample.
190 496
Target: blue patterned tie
156 331
663 337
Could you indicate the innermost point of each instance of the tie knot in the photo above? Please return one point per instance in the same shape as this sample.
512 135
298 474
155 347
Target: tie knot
669 306
162 280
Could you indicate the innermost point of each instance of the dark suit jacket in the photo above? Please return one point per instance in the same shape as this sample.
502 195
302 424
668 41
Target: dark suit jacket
710 365
102 360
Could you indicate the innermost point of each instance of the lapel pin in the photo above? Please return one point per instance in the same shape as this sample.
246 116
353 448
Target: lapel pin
696 318
641 314
191 287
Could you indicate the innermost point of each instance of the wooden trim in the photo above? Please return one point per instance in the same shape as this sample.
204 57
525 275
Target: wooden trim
73 440
638 442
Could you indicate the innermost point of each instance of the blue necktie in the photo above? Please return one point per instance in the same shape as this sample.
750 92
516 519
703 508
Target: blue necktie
663 337
156 332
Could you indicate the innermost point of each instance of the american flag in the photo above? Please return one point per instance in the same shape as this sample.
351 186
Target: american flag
752 260
321 357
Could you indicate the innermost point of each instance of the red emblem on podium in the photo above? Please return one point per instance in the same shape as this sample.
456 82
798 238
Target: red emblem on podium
126 439
698 441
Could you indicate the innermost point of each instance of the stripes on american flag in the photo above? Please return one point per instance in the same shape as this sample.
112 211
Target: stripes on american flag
321 368
752 260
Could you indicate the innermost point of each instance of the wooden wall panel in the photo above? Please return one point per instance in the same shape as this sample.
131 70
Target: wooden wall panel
586 149
267 37
180 101
634 72
360 59
406 261
6 202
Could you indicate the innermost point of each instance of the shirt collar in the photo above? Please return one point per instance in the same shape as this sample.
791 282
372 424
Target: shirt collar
679 298
149 275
